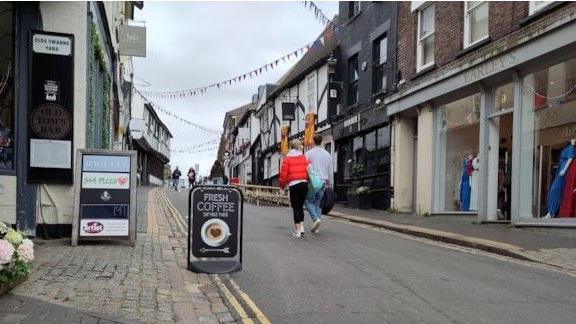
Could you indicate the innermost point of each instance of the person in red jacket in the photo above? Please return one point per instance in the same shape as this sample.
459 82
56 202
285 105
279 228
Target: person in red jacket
294 175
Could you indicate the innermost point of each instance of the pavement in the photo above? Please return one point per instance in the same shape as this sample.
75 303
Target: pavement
112 282
359 273
552 246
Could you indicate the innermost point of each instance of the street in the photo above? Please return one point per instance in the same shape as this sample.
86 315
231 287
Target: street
353 274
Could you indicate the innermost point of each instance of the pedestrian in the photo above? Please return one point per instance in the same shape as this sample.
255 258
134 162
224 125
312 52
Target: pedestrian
294 175
321 162
217 173
176 178
191 177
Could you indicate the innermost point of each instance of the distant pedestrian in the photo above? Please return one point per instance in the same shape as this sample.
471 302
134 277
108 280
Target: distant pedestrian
321 162
191 177
294 175
176 178
217 173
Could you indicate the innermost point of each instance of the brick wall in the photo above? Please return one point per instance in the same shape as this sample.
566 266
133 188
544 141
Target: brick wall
505 17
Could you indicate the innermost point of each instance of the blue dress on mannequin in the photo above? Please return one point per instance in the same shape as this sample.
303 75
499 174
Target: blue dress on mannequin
557 188
465 188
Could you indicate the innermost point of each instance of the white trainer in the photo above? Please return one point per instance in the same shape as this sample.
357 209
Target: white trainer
296 234
315 228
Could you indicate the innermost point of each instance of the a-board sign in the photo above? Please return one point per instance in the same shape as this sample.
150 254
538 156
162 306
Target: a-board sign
105 206
51 109
215 229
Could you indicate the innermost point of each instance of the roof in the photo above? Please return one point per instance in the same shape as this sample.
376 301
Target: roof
240 111
314 57
155 114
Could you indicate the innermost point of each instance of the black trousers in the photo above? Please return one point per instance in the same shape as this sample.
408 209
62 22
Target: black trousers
298 194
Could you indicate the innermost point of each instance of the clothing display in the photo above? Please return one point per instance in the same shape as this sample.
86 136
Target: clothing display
558 185
474 181
568 208
465 185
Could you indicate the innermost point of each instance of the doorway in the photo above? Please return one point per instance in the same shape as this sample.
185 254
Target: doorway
500 167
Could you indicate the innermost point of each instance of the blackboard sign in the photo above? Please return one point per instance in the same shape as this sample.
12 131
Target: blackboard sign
51 112
105 196
215 229
288 111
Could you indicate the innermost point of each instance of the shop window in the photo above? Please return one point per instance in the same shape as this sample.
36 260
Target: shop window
380 56
548 182
353 80
457 153
383 135
371 153
358 148
504 97
6 87
475 22
425 37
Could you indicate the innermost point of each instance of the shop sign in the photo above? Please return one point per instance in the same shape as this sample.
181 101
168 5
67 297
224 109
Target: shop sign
132 40
51 109
106 197
288 111
215 229
488 68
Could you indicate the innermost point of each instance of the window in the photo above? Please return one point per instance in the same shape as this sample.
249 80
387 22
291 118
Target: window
380 56
6 87
425 46
353 80
383 137
475 22
353 8
537 6
311 93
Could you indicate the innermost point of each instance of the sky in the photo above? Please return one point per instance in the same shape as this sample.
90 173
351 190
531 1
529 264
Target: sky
193 44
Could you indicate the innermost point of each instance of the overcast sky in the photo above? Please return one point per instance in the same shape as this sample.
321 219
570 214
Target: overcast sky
192 44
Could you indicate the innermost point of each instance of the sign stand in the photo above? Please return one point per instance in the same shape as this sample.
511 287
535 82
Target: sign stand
215 218
105 196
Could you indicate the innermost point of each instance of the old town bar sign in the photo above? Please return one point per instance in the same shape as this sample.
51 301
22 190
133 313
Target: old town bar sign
51 109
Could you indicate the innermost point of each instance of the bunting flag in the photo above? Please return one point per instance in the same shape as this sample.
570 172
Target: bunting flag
320 16
197 146
199 150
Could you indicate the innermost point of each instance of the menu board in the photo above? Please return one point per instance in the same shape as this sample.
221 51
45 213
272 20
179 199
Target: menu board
105 203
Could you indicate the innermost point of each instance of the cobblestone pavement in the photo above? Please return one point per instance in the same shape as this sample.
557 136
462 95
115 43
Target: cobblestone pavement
147 283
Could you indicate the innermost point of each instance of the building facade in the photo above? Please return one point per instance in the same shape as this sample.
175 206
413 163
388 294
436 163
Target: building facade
82 32
481 120
366 71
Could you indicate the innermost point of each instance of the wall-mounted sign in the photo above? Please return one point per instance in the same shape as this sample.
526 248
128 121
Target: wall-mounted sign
351 121
51 109
106 198
215 229
132 40
288 111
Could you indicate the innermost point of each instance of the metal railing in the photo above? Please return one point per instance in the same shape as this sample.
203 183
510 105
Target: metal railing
264 195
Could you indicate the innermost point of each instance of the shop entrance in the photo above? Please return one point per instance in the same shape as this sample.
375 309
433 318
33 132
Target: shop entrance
500 167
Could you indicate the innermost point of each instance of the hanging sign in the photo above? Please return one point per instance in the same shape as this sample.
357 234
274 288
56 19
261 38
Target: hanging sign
105 196
51 109
288 111
215 229
132 40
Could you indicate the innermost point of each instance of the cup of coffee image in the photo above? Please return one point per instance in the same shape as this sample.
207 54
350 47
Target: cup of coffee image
215 232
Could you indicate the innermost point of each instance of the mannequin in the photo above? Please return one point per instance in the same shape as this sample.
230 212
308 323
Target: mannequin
557 189
474 180
568 207
465 184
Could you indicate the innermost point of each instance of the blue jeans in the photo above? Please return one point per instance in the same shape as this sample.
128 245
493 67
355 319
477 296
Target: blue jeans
175 183
313 204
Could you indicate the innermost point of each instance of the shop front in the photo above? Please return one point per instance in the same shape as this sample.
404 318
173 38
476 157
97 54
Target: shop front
362 175
502 136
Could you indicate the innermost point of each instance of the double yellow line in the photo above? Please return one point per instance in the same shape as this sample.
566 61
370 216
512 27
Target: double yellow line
230 296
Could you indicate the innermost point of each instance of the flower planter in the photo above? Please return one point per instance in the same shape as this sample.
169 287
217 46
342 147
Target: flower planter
6 287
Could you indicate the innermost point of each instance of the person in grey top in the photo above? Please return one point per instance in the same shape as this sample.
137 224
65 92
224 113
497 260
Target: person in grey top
321 162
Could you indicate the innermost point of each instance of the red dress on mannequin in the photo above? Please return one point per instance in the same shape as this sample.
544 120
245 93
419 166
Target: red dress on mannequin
568 208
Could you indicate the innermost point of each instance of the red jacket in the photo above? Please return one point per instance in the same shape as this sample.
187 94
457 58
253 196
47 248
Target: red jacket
294 168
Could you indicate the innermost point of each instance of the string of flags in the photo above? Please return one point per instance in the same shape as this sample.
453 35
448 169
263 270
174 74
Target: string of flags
183 120
197 146
320 16
200 150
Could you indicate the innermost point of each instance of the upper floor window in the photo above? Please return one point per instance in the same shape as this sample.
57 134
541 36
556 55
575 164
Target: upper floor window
353 8
380 58
475 22
537 6
353 80
425 38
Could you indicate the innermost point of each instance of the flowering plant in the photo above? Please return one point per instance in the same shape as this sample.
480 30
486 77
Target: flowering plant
16 255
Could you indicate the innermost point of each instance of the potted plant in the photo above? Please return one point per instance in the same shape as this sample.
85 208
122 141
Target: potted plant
16 255
359 197
357 170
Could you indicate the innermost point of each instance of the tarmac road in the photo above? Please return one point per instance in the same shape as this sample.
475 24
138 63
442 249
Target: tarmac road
350 273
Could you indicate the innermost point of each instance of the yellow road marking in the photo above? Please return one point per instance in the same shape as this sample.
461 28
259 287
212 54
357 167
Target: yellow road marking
259 314
233 301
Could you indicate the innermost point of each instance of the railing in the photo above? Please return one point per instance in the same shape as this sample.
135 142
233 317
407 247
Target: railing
264 195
